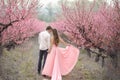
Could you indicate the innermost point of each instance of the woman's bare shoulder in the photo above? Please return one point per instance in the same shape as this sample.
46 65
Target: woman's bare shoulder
52 38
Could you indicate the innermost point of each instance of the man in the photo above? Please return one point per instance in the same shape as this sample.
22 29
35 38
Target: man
44 45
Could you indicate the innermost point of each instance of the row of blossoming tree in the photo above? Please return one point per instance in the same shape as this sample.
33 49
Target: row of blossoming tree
93 28
18 21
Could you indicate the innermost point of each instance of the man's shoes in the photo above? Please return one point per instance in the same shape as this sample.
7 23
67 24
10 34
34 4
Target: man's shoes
44 76
45 79
39 73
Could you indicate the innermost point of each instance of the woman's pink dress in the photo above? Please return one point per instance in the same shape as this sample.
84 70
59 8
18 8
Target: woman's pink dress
60 61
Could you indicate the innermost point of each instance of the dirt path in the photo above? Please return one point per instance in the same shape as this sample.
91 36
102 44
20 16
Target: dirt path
21 64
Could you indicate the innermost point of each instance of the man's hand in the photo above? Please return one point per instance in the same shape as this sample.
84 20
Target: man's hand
48 50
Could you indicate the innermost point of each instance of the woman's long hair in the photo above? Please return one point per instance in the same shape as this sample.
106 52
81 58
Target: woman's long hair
56 37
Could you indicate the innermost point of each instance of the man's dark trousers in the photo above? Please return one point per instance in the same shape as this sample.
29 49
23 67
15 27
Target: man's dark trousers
42 54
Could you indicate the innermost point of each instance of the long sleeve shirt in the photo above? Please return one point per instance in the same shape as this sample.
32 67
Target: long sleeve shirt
44 40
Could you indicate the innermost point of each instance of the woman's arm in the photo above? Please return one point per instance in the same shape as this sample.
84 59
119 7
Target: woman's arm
62 41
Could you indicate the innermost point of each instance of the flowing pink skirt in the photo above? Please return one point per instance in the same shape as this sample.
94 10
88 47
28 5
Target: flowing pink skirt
60 61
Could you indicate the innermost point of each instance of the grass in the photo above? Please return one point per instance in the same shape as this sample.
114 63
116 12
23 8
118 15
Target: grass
21 64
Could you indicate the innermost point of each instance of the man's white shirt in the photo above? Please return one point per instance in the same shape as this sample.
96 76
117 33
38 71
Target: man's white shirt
44 40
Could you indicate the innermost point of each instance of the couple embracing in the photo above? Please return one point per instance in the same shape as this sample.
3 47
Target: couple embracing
57 61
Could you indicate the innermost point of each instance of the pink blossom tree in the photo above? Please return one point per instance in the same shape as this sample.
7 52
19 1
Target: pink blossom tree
22 31
93 29
78 21
15 18
112 16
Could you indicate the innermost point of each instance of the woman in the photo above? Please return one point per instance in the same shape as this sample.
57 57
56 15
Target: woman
60 61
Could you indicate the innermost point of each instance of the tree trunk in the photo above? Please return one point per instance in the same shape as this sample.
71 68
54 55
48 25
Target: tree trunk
1 47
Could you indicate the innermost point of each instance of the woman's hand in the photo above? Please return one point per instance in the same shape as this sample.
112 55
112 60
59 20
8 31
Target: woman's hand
68 44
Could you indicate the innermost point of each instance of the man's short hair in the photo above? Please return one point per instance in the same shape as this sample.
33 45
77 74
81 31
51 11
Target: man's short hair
49 28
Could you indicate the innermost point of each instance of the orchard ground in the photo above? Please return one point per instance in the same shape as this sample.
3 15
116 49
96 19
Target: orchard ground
21 64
